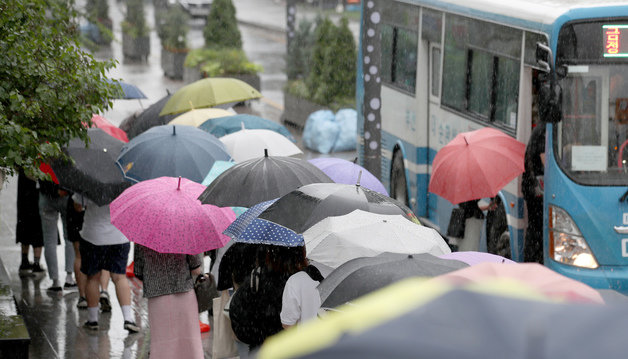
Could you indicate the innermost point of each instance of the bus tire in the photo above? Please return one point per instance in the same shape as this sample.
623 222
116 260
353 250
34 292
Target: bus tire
498 235
398 186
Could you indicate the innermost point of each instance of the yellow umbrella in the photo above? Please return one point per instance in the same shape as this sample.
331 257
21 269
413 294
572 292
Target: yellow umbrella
376 308
209 92
196 117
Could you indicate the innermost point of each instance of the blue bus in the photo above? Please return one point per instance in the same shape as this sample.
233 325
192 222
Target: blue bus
430 69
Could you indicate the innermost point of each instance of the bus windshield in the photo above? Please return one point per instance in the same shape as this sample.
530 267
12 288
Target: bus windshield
591 140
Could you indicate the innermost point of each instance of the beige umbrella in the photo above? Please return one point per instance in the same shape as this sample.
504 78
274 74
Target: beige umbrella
197 117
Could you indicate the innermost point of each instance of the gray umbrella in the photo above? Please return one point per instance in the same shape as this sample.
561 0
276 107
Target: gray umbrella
363 275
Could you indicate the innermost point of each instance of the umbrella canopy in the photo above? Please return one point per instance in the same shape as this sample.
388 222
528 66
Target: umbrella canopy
209 92
543 279
148 118
94 173
163 214
473 258
307 205
171 151
238 226
128 91
217 169
261 179
417 319
343 171
363 275
338 239
109 128
248 144
475 165
225 125
198 116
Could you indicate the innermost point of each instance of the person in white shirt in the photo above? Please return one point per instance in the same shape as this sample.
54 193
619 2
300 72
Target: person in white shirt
301 300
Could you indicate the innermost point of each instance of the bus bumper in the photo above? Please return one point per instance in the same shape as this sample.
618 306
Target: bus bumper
604 277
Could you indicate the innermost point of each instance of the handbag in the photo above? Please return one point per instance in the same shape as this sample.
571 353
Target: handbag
223 345
456 223
205 289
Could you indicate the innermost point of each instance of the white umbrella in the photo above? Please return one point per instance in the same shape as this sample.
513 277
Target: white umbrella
248 144
198 116
336 240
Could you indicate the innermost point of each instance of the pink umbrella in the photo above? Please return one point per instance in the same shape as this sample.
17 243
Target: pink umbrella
539 277
165 215
475 165
109 127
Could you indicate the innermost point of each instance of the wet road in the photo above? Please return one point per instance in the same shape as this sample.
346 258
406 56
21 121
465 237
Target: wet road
53 321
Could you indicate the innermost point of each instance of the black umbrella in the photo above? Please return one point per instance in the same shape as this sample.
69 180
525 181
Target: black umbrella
261 179
363 275
94 172
135 125
309 204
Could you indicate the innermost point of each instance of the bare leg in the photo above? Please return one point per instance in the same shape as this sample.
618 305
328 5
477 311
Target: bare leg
104 279
81 278
123 291
92 290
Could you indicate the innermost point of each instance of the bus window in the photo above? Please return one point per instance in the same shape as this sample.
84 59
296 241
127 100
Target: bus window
435 80
507 90
399 57
481 73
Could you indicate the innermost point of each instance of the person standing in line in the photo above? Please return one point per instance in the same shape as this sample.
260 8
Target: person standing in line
28 228
301 300
532 188
473 222
168 280
53 201
104 247
75 215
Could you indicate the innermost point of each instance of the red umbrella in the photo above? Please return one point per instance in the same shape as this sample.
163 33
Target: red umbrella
109 127
476 165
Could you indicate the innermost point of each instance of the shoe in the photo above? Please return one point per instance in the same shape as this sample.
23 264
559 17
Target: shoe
105 305
55 289
37 269
82 303
70 286
131 326
25 270
91 325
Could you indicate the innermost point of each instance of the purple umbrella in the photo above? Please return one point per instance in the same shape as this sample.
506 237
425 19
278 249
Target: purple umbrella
473 258
347 172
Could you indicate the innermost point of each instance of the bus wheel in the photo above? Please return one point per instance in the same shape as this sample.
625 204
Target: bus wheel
398 187
498 236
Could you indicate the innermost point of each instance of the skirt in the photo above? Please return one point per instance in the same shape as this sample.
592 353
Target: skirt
174 328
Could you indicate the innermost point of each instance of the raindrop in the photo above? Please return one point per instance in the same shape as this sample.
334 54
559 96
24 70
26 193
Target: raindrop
374 103
369 48
373 145
371 117
367 135
375 18
367 59
370 32
373 70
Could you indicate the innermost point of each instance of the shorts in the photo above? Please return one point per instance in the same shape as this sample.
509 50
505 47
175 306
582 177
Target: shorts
112 258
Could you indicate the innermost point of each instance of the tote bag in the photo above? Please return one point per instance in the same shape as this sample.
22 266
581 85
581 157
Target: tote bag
224 345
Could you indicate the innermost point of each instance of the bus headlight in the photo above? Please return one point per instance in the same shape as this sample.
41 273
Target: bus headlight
566 243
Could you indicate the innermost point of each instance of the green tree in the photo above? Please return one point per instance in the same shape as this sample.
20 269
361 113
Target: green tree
341 64
298 56
322 38
134 22
48 86
173 32
221 27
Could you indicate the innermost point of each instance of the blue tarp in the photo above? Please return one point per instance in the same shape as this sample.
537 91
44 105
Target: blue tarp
327 132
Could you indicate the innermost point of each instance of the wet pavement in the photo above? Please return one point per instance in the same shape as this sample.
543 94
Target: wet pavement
53 320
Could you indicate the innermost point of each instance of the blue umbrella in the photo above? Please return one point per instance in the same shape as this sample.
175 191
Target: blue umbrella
172 151
229 124
129 91
218 168
261 231
237 227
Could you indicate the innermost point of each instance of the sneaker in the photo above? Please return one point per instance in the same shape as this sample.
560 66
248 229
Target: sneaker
131 326
91 325
37 269
26 269
55 289
70 286
105 305
82 303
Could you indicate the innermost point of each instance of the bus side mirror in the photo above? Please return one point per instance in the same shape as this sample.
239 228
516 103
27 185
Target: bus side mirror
543 57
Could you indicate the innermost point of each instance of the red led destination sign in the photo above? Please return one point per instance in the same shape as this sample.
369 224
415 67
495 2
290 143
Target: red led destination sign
615 40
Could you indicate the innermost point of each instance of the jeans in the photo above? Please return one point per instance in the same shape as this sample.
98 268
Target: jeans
49 210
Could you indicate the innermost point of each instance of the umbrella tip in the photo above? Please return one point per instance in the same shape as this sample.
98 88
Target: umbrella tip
359 176
265 152
355 160
410 256
179 184
242 123
465 139
174 130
